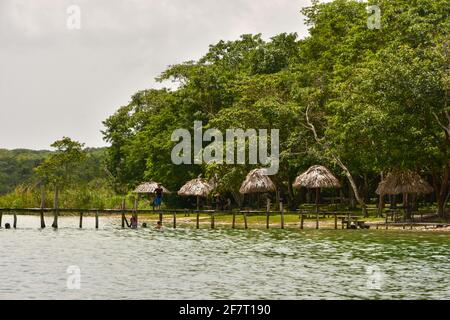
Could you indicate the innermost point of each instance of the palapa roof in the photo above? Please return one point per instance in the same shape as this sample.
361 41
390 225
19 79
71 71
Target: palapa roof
399 182
149 187
196 187
317 177
256 182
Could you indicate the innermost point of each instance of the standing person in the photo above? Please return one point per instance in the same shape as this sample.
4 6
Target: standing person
133 222
159 195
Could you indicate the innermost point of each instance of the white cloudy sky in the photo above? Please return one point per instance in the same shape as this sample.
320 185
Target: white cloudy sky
55 82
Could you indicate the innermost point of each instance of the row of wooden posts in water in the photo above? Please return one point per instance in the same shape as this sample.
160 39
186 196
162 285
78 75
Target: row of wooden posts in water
135 212
345 217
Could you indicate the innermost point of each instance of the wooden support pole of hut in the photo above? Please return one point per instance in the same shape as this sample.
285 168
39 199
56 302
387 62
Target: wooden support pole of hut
282 215
42 206
56 208
245 220
198 203
198 220
317 207
212 220
123 212
302 219
81 219
96 219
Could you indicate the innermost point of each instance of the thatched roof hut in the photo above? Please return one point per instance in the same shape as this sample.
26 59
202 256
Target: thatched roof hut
149 188
197 187
257 182
317 177
401 182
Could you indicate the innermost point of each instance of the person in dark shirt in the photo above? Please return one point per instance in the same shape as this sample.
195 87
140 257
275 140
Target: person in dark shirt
158 199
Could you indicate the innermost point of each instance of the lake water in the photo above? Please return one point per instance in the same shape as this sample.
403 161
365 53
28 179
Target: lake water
220 264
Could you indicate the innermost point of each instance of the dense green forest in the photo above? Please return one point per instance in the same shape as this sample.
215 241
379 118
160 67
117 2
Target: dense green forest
362 101
20 181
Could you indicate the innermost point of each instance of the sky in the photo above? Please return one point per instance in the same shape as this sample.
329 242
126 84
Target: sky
58 81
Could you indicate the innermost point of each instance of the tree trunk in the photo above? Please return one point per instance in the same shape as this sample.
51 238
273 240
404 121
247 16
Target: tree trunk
317 200
340 164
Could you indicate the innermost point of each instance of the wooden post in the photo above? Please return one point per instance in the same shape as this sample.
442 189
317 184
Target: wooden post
136 204
302 220
198 220
335 221
212 220
1 217
348 221
15 220
386 221
317 220
233 223
198 203
81 219
174 220
96 219
56 208
42 206
123 212
245 220
282 215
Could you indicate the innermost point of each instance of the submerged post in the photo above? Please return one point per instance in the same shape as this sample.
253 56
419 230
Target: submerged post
135 209
123 212
317 220
233 223
302 219
1 217
56 208
386 221
81 219
174 220
335 221
15 220
42 206
198 220
245 220
96 219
